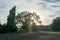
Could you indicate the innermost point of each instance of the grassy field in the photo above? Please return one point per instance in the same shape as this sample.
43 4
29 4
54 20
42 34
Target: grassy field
42 35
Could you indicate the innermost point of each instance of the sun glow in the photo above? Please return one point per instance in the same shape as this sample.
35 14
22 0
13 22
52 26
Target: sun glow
38 12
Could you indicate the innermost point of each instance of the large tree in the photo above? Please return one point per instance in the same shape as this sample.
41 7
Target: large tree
27 19
11 25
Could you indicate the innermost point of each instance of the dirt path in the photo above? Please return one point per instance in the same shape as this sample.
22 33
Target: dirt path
30 36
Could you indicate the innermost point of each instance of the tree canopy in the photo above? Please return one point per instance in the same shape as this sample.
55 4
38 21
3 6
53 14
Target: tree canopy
56 24
27 19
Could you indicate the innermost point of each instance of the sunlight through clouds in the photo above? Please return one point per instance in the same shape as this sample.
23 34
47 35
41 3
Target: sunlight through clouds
44 8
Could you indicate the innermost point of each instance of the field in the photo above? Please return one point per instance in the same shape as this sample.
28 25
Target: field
42 35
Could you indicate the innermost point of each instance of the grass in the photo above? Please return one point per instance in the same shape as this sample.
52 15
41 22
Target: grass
50 32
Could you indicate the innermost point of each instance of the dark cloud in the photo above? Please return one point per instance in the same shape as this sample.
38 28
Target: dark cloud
53 1
51 15
43 5
55 6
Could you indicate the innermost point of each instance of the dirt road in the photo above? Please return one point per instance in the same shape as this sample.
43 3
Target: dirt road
30 36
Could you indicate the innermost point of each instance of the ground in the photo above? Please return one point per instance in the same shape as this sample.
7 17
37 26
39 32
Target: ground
31 36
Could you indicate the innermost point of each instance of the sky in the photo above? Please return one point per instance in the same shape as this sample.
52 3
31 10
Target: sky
46 9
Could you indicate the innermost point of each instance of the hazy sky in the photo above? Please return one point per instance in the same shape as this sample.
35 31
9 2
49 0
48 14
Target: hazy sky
47 9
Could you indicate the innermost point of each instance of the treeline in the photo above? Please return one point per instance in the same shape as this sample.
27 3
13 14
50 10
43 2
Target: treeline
54 26
11 27
3 28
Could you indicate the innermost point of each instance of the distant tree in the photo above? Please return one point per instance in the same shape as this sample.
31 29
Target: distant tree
0 28
3 28
11 25
56 24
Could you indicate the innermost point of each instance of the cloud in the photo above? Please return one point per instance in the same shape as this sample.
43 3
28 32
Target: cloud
50 8
47 9
52 1
5 6
42 4
58 13
55 6
51 16
28 0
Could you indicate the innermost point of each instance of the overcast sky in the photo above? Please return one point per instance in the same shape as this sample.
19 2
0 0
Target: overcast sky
47 9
